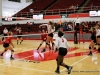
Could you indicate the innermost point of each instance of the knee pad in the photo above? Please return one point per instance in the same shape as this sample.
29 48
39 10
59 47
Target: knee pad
46 43
98 49
56 59
40 44
94 47
5 50
52 44
44 40
12 50
89 47
60 63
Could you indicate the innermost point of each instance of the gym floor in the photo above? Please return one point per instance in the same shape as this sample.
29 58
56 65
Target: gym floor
30 62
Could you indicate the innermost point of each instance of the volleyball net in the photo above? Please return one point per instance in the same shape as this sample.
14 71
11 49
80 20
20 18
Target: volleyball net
27 51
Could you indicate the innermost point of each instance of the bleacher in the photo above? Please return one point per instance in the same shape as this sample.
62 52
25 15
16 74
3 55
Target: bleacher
63 4
92 5
37 7
35 27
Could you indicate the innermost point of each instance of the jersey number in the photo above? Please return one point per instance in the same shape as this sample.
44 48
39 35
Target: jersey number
62 40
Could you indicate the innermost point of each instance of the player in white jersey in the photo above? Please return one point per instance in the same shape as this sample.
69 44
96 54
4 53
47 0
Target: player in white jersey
62 45
49 38
98 36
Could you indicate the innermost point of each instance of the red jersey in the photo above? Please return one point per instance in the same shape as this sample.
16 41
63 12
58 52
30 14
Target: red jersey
8 39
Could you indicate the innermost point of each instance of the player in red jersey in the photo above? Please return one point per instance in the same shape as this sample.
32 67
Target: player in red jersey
43 37
8 45
49 38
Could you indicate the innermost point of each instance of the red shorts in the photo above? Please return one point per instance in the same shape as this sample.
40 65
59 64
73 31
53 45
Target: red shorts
44 36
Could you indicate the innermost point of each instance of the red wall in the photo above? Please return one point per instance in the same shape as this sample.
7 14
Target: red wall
79 15
52 16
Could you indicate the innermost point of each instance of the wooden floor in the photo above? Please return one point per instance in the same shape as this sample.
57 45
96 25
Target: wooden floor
82 64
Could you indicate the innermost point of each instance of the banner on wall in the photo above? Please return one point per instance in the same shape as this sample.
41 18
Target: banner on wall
94 13
38 17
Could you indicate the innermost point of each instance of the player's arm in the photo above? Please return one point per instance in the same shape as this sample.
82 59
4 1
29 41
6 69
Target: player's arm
43 25
67 44
56 44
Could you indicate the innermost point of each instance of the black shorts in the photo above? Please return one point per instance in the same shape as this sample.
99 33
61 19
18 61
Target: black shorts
62 51
19 37
5 45
5 34
45 39
51 34
93 39
98 36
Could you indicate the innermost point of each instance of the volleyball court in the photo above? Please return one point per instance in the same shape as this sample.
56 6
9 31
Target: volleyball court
34 55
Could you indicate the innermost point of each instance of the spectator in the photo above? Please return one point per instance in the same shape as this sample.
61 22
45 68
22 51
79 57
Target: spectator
5 31
71 7
65 27
60 22
77 23
69 27
98 23
28 23
86 27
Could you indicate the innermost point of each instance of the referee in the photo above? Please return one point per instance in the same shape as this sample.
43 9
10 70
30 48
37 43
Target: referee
62 45
76 28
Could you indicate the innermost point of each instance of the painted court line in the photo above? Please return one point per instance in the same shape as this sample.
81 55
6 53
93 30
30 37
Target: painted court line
43 70
25 57
78 61
27 68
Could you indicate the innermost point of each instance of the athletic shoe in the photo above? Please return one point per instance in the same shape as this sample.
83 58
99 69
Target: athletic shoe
94 48
43 50
12 50
69 69
11 58
57 71
1 54
56 50
89 54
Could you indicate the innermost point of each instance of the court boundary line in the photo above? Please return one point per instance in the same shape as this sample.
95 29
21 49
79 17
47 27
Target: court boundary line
27 68
32 55
44 70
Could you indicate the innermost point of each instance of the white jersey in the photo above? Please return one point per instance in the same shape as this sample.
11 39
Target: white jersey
50 30
77 20
61 42
5 31
97 32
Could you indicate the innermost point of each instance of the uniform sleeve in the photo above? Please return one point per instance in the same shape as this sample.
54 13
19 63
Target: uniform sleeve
98 32
44 25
